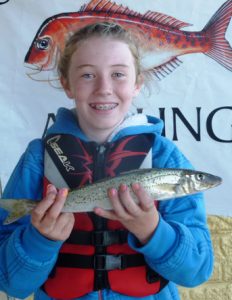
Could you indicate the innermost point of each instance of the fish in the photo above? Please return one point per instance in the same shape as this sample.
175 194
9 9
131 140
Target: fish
161 184
160 37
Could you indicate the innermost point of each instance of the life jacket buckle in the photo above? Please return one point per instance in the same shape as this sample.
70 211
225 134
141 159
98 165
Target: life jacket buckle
108 262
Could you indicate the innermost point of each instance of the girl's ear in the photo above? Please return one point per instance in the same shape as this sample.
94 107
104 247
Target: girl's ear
138 85
65 84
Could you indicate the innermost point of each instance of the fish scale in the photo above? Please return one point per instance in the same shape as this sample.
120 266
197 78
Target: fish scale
160 184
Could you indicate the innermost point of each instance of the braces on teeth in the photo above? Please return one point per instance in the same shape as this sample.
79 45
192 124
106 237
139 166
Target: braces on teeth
104 106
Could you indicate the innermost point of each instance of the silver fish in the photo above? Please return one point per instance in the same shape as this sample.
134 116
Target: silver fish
161 184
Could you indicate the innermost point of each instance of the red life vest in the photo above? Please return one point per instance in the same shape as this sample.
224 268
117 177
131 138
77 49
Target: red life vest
96 255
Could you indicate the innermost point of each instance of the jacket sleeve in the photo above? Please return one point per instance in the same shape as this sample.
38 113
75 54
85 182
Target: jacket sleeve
26 257
180 248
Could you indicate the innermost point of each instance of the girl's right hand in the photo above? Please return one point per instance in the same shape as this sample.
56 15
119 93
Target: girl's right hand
47 217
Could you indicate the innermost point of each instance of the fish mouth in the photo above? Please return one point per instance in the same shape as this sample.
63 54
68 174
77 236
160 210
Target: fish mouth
34 67
39 74
103 106
216 180
39 67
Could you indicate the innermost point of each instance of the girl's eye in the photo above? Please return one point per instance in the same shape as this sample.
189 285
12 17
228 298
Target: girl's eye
118 75
87 76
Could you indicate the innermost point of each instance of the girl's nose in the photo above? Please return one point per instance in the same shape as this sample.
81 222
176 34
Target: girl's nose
103 86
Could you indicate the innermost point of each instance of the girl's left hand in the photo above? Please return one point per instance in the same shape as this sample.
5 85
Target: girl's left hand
140 219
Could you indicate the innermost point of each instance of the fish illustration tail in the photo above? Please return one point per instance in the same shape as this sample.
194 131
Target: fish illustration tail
220 50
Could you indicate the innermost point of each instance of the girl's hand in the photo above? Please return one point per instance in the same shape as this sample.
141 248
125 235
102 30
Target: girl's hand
47 217
140 219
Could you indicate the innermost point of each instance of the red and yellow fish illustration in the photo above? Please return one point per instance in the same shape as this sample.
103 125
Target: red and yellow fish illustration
159 35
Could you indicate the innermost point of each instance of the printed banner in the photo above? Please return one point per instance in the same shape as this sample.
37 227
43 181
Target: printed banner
189 57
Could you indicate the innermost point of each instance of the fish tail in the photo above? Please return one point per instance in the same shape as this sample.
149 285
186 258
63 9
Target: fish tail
216 28
16 208
11 218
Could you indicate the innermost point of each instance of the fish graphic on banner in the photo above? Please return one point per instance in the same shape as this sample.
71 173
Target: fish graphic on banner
160 36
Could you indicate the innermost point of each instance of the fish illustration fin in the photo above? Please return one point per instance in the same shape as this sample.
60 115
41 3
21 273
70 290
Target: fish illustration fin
165 69
109 7
165 19
221 51
112 7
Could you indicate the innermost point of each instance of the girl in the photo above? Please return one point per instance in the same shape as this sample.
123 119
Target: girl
133 251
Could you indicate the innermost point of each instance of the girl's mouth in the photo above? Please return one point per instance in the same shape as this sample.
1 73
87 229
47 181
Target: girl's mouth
103 106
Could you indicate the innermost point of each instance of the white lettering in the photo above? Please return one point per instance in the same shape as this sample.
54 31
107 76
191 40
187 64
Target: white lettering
52 142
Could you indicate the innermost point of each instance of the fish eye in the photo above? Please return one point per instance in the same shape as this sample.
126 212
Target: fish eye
200 177
43 43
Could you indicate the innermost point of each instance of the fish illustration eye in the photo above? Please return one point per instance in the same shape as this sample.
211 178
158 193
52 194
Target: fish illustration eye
43 43
200 177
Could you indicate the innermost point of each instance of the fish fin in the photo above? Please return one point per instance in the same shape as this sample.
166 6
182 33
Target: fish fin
129 172
221 50
136 171
111 7
16 208
161 71
9 219
14 216
164 19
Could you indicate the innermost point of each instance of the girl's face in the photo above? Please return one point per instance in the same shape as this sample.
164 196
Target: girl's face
102 82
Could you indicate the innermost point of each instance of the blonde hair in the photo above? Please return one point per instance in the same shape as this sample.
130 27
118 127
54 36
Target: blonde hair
104 29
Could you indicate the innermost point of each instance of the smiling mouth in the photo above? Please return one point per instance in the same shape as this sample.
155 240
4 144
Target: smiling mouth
103 106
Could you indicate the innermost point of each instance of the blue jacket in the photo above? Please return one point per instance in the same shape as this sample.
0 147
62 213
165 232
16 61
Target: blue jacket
180 249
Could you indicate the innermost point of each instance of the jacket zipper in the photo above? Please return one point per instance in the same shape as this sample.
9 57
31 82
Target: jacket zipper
99 163
100 223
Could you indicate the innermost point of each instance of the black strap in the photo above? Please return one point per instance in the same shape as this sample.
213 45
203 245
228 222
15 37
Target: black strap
51 116
101 280
100 262
152 277
98 238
